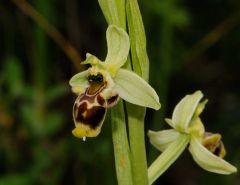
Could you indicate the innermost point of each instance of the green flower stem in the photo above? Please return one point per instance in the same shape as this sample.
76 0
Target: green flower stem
121 146
136 116
165 159
115 13
140 65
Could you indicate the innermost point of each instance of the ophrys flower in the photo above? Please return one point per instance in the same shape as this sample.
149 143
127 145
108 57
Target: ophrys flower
206 148
101 85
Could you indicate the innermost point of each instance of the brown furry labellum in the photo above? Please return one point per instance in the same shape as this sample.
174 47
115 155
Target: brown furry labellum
90 108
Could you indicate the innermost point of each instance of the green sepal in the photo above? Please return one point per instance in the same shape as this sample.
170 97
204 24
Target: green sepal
135 90
118 48
208 160
200 108
162 139
79 82
184 110
90 59
196 128
169 122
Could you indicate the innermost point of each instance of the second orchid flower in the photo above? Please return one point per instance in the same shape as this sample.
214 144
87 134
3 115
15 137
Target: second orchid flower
206 148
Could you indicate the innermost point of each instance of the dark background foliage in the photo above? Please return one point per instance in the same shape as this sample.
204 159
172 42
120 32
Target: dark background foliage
191 45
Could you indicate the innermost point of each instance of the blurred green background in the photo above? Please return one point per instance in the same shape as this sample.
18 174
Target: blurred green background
191 45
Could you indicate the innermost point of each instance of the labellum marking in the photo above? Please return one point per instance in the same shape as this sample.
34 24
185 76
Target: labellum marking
214 144
90 107
112 100
89 110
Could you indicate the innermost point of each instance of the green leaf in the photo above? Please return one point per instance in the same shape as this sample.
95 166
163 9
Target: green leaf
79 82
118 47
134 89
184 110
13 75
208 160
162 139
114 11
140 62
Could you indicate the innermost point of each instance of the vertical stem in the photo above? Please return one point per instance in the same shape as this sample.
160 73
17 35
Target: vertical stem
121 146
115 13
137 144
140 65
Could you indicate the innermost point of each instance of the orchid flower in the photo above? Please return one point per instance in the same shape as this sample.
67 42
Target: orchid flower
100 86
206 148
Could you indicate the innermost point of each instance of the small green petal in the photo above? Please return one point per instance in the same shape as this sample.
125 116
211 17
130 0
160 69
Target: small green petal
200 108
196 127
79 82
91 59
162 139
135 90
208 160
118 48
184 110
